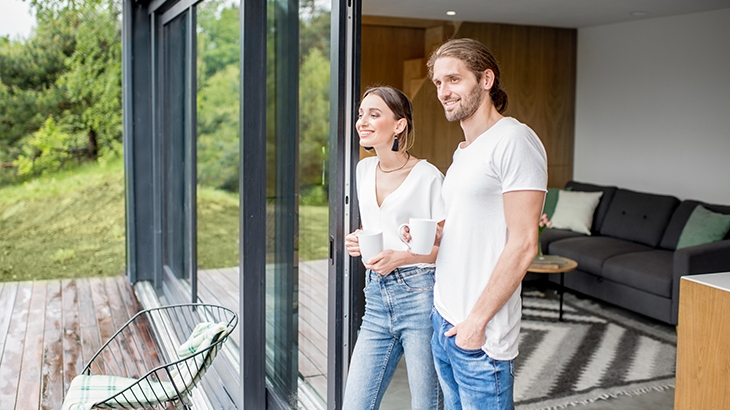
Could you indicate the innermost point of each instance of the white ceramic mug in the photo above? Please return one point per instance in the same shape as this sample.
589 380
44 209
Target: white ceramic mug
371 243
423 235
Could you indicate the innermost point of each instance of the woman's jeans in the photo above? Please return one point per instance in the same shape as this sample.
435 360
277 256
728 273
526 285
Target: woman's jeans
396 321
471 380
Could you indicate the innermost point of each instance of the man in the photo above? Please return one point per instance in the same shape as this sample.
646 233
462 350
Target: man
493 193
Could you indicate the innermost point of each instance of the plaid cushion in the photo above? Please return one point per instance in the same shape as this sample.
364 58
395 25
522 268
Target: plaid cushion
187 373
201 337
85 391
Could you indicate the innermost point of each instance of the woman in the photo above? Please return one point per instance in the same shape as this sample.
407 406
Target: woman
392 187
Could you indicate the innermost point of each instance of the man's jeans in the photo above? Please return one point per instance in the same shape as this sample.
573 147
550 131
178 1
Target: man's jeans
470 379
397 309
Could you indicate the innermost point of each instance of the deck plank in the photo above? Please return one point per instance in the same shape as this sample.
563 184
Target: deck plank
73 361
52 379
105 325
29 382
154 358
12 358
7 300
88 331
47 327
133 366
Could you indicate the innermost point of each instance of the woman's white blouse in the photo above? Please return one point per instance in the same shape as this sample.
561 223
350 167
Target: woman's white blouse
419 196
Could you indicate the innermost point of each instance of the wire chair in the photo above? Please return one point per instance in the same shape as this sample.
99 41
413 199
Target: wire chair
118 376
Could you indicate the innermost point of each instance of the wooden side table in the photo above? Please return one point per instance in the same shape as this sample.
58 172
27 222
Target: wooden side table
553 264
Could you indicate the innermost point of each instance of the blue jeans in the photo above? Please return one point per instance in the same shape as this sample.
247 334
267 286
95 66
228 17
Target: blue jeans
470 379
396 321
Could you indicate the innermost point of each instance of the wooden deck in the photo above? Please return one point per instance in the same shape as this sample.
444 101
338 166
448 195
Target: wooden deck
221 286
50 329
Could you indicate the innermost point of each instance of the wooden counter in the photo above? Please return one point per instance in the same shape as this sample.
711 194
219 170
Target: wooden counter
703 343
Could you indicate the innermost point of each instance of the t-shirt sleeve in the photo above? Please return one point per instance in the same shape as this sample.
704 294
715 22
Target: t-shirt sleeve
520 161
438 210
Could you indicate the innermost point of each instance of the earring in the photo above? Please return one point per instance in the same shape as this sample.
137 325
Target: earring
395 144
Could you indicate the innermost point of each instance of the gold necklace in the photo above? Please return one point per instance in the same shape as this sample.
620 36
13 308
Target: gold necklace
408 158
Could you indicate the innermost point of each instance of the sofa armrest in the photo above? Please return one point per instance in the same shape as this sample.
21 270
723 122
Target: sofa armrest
708 258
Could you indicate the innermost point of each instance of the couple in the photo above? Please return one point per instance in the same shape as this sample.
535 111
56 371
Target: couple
461 331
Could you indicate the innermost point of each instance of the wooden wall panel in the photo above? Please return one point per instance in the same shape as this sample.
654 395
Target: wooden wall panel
538 72
384 49
435 138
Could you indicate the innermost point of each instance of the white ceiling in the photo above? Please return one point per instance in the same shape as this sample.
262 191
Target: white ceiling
552 13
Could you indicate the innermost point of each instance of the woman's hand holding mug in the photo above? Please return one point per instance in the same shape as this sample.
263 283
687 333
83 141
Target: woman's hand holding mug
352 244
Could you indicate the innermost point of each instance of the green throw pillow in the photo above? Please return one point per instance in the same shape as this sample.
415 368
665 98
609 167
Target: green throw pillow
551 199
703 226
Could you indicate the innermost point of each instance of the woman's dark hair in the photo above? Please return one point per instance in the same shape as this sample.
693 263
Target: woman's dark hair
401 106
477 58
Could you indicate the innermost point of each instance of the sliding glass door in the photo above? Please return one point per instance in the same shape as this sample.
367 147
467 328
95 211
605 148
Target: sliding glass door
238 146
176 117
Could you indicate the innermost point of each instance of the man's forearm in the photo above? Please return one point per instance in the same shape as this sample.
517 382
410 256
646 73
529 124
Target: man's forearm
506 277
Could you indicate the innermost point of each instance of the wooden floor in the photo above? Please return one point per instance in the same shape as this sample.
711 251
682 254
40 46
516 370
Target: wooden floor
50 329
222 286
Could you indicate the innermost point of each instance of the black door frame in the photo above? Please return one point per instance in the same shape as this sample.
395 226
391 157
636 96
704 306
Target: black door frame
346 280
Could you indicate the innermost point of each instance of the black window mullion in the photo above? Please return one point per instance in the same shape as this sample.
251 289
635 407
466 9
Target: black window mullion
252 188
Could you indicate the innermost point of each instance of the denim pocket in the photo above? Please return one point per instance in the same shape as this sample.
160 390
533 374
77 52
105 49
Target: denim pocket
419 280
468 352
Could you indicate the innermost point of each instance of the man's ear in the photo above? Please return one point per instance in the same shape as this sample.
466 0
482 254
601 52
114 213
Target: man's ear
488 79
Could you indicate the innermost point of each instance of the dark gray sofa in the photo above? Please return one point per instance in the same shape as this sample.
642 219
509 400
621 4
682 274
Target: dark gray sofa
630 259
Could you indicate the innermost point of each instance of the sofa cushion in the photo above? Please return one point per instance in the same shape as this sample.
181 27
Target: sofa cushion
574 210
592 251
679 220
551 199
602 208
649 271
638 217
704 226
551 235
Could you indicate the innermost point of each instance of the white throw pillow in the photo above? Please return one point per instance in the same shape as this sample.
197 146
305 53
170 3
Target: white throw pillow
574 210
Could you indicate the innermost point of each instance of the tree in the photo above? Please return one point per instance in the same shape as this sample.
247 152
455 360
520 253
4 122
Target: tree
69 70
93 82
29 71
313 117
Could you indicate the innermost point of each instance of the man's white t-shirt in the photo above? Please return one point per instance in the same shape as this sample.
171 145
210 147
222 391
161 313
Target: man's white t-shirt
507 157
419 196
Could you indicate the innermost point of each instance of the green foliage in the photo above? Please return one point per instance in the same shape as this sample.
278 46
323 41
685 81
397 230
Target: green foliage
46 150
218 113
29 71
93 83
218 38
68 69
314 124
218 95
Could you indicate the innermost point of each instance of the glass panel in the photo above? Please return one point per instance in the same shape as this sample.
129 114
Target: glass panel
297 212
281 207
218 79
173 143
314 115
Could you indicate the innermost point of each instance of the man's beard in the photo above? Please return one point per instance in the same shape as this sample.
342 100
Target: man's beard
467 106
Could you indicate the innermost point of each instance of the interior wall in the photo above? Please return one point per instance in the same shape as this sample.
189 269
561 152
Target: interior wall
538 74
384 50
653 106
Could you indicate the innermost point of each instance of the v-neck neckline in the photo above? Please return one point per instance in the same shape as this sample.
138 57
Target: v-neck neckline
375 184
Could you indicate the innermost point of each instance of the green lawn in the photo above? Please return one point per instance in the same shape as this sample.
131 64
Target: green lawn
71 224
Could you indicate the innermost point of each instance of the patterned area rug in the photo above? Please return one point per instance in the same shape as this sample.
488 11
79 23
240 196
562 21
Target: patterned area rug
597 352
